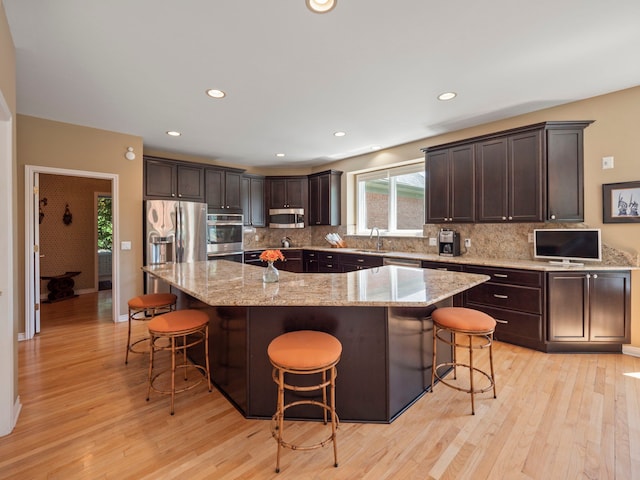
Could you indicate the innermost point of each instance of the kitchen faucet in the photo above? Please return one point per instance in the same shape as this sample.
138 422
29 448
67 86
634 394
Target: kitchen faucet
378 241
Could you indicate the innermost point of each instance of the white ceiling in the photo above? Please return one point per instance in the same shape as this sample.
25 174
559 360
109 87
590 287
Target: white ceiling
372 68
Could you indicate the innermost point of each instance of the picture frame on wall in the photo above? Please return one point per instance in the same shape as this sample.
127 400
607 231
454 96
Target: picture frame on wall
621 202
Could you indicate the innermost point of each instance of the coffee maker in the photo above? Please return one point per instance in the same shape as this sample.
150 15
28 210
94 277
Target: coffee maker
448 243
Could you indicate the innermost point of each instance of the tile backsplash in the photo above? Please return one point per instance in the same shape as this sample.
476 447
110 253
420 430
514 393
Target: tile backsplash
488 240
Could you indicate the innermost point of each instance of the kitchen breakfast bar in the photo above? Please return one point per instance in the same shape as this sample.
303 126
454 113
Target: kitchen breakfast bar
380 315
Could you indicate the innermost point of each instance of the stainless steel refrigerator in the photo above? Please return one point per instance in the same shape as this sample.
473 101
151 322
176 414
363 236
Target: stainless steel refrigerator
175 232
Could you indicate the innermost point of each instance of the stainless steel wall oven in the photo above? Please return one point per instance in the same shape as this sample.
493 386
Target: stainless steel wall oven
225 236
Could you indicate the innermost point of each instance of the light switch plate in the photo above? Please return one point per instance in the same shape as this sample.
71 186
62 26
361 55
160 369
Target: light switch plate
607 162
125 245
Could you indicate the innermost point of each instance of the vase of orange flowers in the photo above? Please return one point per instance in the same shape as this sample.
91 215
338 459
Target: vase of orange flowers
271 273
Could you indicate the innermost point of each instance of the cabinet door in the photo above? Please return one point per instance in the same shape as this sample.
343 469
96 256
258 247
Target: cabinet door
568 307
256 187
232 199
609 304
277 193
159 179
190 183
315 201
462 184
437 187
214 188
296 192
565 196
491 170
525 177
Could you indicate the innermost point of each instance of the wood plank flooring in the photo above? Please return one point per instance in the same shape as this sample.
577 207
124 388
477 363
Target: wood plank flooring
84 416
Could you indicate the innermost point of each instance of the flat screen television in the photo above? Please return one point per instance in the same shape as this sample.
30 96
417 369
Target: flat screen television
567 246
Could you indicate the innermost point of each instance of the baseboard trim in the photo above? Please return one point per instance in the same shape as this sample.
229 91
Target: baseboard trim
631 350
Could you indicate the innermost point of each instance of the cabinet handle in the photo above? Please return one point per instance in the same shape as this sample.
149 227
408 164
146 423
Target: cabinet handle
329 256
329 265
501 275
510 218
360 260
504 218
500 296
173 194
595 275
588 276
553 217
501 321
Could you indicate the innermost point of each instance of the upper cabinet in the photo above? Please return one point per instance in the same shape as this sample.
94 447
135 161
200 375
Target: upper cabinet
169 179
287 192
450 185
252 196
324 198
223 188
527 174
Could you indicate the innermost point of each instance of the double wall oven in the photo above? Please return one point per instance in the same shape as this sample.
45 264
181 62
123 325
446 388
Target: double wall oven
225 239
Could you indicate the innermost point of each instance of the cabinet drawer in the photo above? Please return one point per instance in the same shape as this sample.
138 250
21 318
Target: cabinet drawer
506 275
361 260
251 256
450 267
328 257
328 267
512 297
522 329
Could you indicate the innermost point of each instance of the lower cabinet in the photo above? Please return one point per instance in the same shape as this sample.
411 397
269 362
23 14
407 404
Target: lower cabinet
588 308
458 300
351 263
515 298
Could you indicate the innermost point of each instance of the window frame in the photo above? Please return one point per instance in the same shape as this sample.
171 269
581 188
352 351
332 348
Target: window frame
388 172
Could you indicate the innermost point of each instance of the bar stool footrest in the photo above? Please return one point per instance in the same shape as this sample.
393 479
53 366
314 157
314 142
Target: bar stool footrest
320 444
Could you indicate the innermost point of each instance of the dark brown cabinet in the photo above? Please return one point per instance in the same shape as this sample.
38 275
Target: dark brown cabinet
509 178
324 198
223 190
310 259
527 174
252 199
287 192
589 307
351 263
515 299
450 185
164 178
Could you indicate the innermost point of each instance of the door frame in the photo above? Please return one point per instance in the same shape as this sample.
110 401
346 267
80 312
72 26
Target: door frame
32 294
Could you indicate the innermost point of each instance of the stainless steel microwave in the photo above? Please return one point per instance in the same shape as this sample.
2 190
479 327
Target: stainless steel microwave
286 218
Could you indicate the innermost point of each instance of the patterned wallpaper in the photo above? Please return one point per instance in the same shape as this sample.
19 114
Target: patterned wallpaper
70 247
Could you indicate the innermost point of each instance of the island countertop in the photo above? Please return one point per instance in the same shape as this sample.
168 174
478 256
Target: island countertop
226 283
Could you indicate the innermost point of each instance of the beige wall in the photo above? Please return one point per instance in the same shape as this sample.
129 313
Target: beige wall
46 143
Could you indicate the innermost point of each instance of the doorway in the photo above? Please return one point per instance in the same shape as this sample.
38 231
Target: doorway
57 217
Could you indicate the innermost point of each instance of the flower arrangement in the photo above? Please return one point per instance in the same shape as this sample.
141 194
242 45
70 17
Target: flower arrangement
271 256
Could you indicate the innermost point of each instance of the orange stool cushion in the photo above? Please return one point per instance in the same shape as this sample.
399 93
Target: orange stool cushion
304 350
152 300
465 319
178 321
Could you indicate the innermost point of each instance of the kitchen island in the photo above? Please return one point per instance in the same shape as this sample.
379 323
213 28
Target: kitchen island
380 315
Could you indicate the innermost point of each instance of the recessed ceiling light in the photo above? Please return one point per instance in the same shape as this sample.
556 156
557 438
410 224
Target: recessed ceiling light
375 147
321 6
173 133
279 154
215 93
339 134
447 95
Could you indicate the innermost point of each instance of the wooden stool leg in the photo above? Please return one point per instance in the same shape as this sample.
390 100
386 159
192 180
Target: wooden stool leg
173 372
493 378
126 358
151 350
206 355
433 356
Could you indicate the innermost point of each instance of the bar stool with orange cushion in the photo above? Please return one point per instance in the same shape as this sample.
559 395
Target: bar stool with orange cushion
478 327
184 329
144 308
305 352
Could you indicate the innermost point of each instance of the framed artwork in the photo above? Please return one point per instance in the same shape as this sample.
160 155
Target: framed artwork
621 202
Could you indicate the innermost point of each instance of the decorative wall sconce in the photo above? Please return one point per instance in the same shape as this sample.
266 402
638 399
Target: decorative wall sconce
321 6
67 217
43 203
130 155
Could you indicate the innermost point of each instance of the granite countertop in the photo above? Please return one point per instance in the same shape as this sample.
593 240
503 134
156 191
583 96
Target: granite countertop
468 260
225 283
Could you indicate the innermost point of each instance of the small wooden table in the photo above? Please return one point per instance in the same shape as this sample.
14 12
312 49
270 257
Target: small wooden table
61 286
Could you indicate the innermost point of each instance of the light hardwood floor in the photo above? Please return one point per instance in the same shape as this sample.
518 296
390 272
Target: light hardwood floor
85 416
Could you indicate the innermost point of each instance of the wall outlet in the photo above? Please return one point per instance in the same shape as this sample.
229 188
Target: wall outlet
607 162
467 242
433 242
125 245
530 237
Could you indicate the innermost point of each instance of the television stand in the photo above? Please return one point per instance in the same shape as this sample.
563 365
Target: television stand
566 263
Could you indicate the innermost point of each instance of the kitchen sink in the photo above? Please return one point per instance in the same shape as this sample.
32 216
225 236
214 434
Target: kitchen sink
369 250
